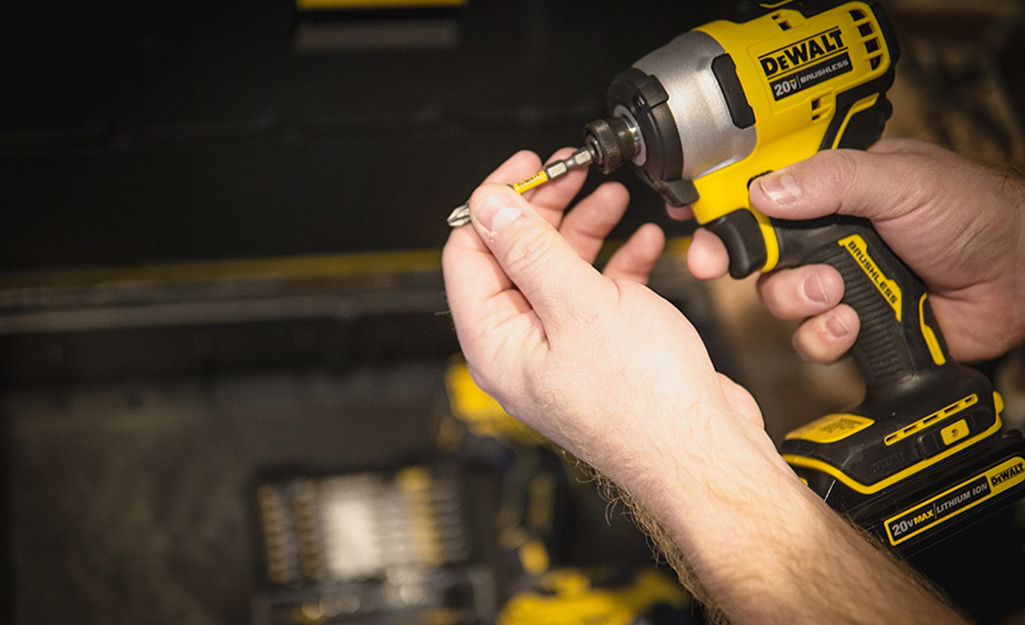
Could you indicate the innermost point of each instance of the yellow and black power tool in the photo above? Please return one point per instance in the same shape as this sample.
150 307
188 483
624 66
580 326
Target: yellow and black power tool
699 119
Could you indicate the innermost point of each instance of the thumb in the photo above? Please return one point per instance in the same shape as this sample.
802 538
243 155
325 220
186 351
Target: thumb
537 259
850 182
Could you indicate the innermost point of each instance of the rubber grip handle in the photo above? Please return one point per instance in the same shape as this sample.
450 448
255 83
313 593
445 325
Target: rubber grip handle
899 340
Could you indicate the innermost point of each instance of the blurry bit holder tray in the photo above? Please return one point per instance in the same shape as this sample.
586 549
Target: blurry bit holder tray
144 405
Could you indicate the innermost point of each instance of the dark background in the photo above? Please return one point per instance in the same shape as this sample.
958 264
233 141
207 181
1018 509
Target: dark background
139 407
199 130
136 410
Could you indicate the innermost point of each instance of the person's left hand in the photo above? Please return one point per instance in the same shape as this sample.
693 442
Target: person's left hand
617 376
597 362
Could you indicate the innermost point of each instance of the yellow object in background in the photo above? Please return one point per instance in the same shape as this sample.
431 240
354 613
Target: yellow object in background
570 597
481 414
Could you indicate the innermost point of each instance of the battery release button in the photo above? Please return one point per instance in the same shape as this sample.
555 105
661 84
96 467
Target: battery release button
954 432
934 440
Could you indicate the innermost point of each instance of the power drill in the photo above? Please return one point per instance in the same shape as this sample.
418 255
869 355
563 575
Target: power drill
924 455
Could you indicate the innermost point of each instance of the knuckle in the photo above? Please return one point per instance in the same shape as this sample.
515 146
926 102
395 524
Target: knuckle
809 346
530 252
779 292
768 291
840 169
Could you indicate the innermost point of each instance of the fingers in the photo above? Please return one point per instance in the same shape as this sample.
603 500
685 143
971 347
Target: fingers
638 256
706 257
825 338
538 261
801 292
494 320
680 213
905 146
480 295
517 167
593 218
878 185
552 198
813 292
468 256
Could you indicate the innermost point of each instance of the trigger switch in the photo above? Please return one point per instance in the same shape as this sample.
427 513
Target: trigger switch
745 245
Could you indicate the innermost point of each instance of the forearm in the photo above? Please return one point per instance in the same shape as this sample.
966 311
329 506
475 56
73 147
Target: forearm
768 550
1016 189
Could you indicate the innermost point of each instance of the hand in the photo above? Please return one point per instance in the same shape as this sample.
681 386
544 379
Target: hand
616 375
597 362
959 225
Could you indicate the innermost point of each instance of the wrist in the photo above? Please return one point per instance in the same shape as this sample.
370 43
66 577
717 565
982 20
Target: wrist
765 549
722 468
741 526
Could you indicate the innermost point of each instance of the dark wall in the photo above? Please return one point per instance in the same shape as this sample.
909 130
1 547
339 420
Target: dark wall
200 130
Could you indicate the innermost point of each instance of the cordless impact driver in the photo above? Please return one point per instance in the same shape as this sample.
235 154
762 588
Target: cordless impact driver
699 119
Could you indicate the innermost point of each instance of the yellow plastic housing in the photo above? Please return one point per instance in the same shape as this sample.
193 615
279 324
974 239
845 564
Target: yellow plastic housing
791 125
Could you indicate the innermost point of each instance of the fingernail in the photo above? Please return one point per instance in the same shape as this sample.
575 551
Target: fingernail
497 211
813 289
781 187
837 327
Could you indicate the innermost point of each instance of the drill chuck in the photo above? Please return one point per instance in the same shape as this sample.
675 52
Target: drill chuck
612 143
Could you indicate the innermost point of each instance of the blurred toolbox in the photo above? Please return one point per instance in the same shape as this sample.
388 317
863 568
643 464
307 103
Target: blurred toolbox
220 285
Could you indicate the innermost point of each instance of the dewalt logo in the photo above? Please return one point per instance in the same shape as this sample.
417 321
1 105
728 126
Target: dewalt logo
1007 474
802 53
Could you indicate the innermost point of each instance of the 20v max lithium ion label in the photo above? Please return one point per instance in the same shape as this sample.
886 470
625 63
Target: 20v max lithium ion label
952 502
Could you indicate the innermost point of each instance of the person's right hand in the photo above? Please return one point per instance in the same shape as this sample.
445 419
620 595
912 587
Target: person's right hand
959 225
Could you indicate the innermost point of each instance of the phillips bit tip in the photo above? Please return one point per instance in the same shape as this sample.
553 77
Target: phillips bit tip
460 216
